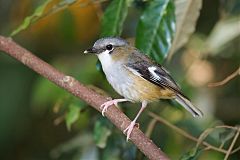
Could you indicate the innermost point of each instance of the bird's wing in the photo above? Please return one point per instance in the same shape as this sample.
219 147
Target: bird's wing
141 65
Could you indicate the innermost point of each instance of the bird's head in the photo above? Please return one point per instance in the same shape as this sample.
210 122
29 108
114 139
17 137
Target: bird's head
111 50
107 45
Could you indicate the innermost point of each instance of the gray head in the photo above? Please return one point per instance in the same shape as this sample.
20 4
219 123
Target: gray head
106 44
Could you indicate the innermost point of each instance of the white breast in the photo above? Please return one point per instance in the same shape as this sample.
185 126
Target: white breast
118 77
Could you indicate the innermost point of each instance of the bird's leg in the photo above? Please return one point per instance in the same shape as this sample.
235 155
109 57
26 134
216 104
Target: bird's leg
129 129
107 104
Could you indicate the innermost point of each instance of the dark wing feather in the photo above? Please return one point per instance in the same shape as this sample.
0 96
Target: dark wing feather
141 63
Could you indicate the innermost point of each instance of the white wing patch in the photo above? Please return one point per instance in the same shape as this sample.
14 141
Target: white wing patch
154 75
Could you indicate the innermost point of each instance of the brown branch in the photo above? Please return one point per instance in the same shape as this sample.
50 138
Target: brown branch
202 137
227 79
185 134
150 128
236 150
120 120
232 144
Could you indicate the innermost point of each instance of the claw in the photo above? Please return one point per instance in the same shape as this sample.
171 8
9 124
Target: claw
129 129
104 106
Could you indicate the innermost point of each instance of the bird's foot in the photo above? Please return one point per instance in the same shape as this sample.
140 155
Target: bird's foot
129 129
104 106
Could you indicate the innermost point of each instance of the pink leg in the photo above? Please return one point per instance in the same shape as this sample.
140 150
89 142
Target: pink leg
107 104
129 129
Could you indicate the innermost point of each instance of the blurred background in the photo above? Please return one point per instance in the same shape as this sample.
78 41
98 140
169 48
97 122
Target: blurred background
41 121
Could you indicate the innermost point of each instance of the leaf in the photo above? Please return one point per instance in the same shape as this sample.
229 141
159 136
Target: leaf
30 19
82 140
156 28
114 17
44 92
187 13
101 132
67 2
72 115
226 135
223 33
192 154
90 152
117 148
99 66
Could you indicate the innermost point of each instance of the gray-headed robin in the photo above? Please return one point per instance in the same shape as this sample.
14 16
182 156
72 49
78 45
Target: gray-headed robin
136 77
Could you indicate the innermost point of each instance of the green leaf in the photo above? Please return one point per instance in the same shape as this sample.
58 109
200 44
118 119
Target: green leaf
102 130
31 19
156 29
67 2
99 66
187 13
72 115
118 149
113 18
226 135
44 93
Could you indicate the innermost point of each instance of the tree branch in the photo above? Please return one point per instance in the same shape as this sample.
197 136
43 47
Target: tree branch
203 135
120 120
226 80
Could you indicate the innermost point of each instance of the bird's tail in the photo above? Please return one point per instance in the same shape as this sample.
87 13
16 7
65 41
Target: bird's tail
188 106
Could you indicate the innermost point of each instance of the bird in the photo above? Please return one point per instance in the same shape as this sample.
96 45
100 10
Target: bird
136 77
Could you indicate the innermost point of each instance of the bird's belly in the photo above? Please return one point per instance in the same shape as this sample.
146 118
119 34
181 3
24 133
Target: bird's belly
135 88
123 85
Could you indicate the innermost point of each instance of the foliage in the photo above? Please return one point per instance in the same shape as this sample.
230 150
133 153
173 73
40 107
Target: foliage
162 28
113 18
102 131
39 13
156 28
187 13
73 114
31 19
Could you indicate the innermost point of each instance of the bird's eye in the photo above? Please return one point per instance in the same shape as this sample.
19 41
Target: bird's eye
109 47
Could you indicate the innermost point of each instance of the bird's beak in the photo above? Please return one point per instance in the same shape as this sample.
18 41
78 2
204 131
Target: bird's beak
90 50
